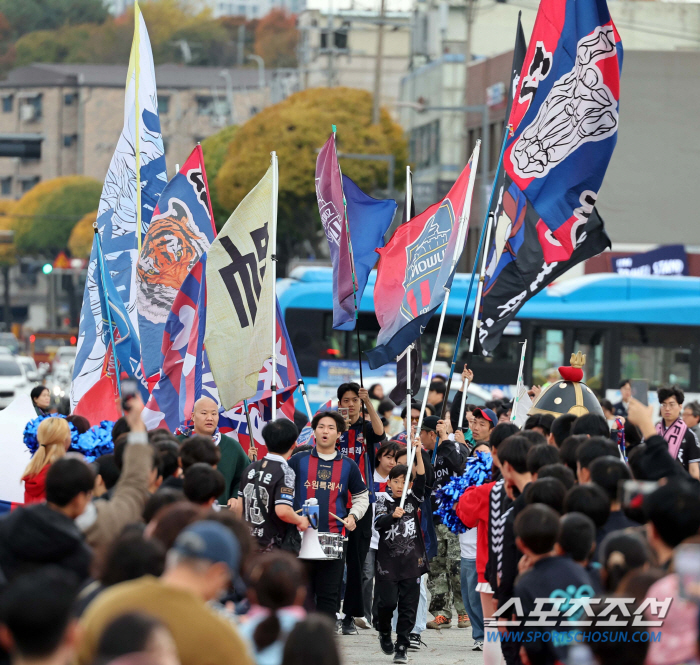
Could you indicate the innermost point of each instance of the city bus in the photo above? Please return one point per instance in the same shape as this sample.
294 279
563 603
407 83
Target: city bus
628 326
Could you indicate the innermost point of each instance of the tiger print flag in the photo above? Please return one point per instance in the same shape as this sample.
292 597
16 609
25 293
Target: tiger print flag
181 231
239 296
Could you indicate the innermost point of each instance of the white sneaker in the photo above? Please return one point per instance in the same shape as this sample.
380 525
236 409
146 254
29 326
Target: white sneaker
361 622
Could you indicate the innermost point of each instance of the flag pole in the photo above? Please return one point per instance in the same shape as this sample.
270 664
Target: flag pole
100 257
519 383
409 391
251 436
273 266
305 397
136 50
469 290
461 237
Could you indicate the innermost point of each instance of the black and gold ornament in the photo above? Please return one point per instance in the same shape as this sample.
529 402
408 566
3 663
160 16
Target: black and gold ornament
570 395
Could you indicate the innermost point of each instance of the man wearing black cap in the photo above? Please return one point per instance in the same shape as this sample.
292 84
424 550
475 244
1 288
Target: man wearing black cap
484 421
444 573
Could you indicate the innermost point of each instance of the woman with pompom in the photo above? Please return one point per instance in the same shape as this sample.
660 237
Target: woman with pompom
54 437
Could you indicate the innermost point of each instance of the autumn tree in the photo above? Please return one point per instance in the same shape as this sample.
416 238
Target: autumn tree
8 257
29 15
82 235
44 217
215 148
296 128
276 39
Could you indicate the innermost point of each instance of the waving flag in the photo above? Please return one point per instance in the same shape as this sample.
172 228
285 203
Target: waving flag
416 267
239 316
116 324
181 231
133 183
181 359
331 207
565 118
521 270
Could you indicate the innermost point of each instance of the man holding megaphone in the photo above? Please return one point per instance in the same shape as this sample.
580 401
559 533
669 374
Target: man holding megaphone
331 478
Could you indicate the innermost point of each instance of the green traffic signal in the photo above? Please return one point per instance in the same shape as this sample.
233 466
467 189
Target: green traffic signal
47 269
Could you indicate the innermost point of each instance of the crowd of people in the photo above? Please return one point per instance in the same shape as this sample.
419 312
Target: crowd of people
184 549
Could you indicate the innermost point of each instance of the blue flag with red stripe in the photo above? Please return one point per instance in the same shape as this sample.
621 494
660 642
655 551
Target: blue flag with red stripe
180 383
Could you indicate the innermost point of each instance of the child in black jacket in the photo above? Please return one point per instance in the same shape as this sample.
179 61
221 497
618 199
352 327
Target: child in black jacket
401 557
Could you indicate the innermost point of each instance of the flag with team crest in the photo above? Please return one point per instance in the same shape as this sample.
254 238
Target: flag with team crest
416 267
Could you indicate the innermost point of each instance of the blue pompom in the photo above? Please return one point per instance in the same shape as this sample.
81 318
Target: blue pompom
92 444
477 472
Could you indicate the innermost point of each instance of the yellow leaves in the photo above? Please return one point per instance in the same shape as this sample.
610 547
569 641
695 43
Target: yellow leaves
81 237
7 251
299 126
44 217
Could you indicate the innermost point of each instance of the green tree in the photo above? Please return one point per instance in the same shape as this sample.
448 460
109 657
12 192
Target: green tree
215 148
44 217
296 128
29 15
276 39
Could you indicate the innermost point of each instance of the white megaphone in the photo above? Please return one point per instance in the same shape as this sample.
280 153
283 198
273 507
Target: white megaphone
310 545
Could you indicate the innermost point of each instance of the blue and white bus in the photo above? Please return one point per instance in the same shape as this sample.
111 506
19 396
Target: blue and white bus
628 326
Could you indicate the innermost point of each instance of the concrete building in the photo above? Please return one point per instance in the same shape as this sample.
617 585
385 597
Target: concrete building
341 50
66 119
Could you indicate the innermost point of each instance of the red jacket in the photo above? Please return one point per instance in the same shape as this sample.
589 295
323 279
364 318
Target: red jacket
473 509
35 487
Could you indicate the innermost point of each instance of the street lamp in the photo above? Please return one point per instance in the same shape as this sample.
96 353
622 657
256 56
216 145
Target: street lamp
261 68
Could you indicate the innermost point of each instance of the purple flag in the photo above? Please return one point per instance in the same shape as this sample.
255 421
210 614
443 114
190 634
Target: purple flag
329 192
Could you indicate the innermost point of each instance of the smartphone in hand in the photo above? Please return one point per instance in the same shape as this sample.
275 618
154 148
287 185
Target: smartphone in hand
640 390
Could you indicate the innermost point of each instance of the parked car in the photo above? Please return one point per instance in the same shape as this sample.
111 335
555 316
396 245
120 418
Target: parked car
13 380
30 369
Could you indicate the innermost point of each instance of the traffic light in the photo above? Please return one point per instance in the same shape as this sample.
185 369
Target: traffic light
47 269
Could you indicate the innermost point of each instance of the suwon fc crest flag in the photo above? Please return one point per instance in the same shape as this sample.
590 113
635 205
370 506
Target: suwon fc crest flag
415 268
239 296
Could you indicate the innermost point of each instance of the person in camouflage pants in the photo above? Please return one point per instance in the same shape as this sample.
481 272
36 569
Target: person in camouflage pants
444 578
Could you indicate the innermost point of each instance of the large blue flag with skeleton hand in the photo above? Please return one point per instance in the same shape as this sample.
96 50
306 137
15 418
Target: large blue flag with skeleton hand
133 183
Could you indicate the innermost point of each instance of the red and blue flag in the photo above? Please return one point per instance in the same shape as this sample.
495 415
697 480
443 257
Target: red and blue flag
181 231
181 356
416 267
565 117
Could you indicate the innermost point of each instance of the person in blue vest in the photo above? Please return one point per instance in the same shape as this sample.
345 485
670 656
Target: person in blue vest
363 435
327 475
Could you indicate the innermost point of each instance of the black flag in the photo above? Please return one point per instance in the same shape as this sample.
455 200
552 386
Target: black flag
520 271
398 394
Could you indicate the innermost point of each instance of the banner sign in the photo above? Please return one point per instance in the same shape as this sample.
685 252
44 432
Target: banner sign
665 260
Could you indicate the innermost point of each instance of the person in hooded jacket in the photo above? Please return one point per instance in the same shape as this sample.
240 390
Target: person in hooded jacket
54 439
35 536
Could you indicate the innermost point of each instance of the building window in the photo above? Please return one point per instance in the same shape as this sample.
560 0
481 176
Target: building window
70 98
69 140
254 10
7 103
6 186
31 109
205 105
241 10
28 183
254 110
425 145
163 105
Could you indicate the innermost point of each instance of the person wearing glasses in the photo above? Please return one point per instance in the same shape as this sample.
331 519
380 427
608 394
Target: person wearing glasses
681 440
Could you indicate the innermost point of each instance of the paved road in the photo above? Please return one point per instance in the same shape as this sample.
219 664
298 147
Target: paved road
444 647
